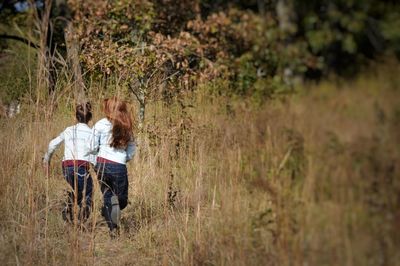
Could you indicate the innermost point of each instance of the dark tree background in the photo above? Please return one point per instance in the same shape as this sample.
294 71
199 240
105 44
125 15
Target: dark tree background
259 46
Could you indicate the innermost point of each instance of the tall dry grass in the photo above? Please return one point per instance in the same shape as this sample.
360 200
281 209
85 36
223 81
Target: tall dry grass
310 179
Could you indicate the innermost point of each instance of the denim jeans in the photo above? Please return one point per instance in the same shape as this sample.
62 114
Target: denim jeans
84 184
113 178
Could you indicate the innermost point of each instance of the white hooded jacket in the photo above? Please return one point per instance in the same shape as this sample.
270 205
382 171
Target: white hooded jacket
99 144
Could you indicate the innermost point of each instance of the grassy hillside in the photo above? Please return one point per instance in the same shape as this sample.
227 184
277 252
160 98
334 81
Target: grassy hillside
309 179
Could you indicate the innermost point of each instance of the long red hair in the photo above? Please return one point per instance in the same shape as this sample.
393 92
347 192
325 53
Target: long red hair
117 112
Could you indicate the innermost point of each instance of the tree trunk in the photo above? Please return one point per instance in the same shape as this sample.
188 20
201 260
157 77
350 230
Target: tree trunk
137 88
142 109
286 17
73 60
44 57
287 25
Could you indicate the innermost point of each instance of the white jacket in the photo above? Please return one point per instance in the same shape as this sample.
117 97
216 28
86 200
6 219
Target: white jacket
99 144
75 140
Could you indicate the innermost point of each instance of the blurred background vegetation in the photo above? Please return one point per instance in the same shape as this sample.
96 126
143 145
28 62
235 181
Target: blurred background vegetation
256 48
268 130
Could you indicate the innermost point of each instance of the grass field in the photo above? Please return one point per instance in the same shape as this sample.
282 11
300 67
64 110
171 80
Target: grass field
307 179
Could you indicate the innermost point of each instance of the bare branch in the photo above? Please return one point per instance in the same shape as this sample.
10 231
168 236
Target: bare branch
20 39
135 93
151 76
169 77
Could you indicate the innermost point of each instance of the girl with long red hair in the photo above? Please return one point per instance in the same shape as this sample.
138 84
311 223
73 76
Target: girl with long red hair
113 143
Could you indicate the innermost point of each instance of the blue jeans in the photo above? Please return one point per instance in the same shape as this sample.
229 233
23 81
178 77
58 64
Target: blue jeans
113 178
84 184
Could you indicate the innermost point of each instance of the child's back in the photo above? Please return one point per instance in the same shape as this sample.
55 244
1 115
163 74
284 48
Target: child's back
75 140
75 163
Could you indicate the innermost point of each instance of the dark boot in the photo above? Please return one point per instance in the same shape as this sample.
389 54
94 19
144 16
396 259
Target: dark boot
115 210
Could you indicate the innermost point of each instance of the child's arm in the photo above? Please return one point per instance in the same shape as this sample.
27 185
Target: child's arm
94 141
52 147
130 150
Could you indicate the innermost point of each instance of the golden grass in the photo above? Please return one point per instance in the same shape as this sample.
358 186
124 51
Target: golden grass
311 179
